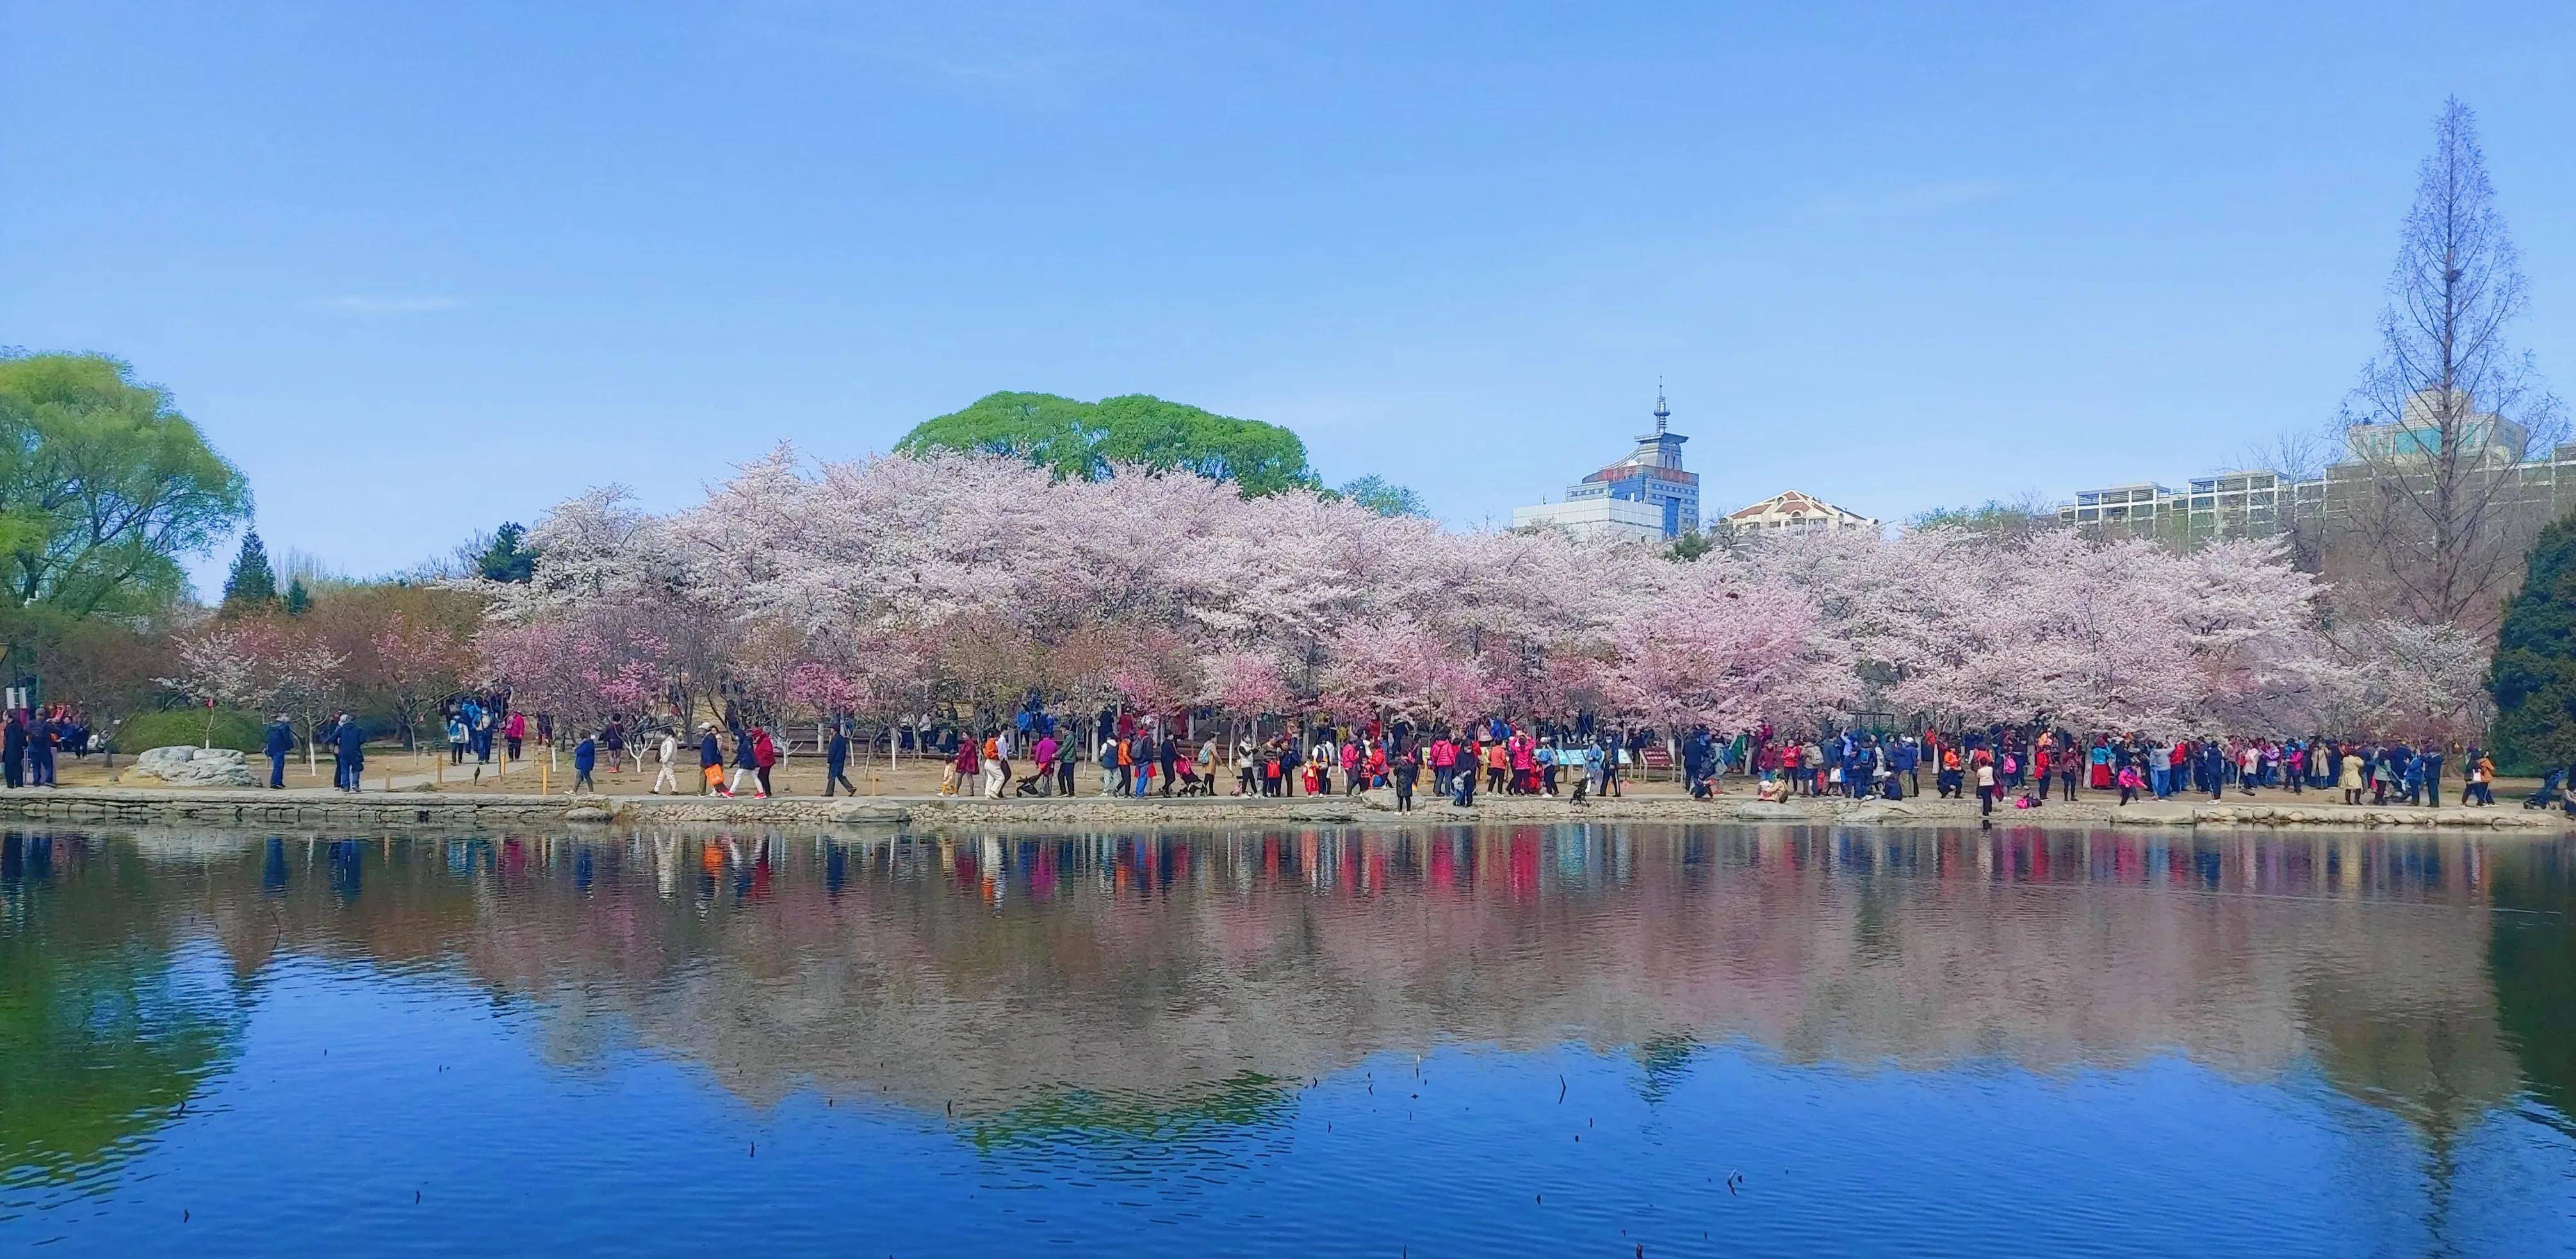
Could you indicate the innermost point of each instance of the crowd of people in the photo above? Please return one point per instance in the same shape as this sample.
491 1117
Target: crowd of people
34 737
2019 766
1036 753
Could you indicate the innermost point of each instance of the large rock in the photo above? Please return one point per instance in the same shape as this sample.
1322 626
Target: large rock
1878 813
2159 813
871 813
1771 811
195 767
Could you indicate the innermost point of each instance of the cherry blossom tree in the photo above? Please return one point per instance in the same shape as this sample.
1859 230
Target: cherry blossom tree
969 582
218 669
416 663
1729 653
306 680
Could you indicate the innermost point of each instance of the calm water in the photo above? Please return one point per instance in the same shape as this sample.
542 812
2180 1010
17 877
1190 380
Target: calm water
1520 1040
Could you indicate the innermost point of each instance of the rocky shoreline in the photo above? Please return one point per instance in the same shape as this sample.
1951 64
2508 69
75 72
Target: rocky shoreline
471 811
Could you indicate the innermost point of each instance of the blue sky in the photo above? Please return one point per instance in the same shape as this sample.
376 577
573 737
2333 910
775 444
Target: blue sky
419 268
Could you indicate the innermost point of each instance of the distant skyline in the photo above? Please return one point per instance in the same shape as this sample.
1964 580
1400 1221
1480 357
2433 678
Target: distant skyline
419 269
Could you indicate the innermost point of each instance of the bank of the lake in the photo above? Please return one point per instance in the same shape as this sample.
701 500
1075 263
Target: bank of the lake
475 810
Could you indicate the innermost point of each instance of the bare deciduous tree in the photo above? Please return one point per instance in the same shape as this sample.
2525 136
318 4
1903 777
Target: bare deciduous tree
2433 513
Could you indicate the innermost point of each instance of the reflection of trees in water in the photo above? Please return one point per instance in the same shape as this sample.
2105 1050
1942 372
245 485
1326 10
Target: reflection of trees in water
2531 951
1186 1114
101 1041
1109 984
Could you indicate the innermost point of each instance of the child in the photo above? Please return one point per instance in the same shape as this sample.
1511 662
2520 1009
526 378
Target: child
2130 783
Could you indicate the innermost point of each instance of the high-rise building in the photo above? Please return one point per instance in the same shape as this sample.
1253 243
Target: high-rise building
1646 495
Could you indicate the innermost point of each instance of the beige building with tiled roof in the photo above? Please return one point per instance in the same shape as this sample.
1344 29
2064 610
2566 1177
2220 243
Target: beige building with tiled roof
1796 509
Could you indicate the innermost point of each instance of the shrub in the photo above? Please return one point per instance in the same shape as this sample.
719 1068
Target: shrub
186 727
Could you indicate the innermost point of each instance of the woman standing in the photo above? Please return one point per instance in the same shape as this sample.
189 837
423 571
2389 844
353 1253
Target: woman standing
764 756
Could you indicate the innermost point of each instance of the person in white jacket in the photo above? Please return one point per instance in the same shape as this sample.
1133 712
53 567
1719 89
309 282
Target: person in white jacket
670 752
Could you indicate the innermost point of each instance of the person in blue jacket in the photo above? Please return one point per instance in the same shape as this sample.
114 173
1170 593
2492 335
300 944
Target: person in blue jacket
836 760
746 758
281 740
711 762
40 752
585 755
350 739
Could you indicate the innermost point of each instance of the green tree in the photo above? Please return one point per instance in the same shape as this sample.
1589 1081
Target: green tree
1082 439
1690 546
508 558
104 485
252 585
1384 497
298 600
2018 518
2533 678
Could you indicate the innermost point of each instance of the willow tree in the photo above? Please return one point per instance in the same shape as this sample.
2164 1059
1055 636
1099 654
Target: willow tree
104 487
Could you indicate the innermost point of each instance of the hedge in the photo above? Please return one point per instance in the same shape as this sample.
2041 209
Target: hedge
186 727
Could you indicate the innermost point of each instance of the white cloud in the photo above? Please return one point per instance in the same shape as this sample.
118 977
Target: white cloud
379 304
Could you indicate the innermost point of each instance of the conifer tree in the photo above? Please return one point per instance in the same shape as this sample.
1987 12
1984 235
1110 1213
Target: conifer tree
2533 678
252 584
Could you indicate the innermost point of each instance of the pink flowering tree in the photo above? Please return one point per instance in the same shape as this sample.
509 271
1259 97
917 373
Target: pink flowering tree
219 667
1397 667
1729 654
306 680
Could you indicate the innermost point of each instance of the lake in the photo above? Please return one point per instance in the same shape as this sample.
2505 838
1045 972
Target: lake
1568 1040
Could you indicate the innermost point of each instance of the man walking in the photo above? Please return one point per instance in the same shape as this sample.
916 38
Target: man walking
280 741
350 759
836 758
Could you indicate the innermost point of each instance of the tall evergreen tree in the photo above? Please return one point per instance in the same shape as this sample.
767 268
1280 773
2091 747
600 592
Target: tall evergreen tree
2533 678
252 584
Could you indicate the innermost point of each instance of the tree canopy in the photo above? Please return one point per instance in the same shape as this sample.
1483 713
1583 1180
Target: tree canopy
2533 678
1384 497
103 486
1084 439
509 558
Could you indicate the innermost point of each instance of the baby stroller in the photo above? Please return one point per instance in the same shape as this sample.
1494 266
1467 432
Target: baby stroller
2551 788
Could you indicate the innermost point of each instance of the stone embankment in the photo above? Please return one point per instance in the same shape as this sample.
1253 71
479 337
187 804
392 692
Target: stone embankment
470 811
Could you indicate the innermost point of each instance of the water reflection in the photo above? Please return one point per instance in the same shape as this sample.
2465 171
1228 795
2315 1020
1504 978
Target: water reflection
1117 981
102 1038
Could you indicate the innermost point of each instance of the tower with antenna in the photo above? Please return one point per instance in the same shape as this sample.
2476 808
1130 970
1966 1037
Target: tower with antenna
1646 496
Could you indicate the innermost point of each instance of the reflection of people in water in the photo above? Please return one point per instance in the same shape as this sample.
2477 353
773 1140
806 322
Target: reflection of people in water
347 857
1486 934
711 859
